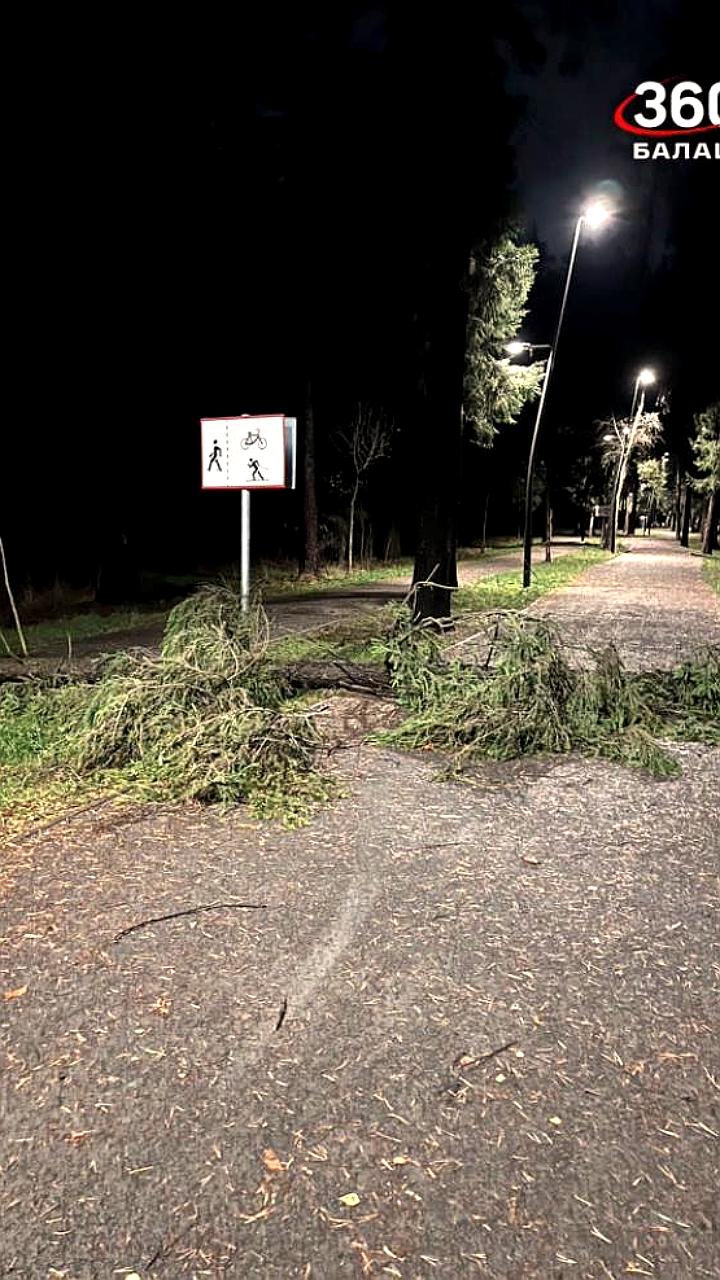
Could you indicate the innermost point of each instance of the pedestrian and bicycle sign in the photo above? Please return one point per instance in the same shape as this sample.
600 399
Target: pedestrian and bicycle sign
248 452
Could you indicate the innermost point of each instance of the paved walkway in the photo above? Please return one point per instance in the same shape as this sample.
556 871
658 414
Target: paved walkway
471 1030
651 603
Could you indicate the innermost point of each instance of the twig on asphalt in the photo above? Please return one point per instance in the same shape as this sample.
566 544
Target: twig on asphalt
281 1016
40 828
188 911
466 1060
483 1057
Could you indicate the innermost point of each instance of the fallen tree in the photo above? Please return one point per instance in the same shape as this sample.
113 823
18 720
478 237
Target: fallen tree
214 714
523 697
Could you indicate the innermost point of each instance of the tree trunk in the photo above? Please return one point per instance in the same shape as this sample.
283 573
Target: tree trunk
677 514
329 674
311 551
439 440
351 528
610 527
548 524
710 533
483 544
686 515
631 509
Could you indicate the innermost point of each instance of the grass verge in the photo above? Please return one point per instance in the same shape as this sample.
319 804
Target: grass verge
505 590
44 637
711 571
274 580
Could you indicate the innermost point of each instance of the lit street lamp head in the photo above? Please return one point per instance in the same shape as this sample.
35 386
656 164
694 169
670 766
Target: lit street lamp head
596 214
645 377
516 347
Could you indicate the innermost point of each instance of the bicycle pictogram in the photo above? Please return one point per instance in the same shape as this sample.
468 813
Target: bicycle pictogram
253 438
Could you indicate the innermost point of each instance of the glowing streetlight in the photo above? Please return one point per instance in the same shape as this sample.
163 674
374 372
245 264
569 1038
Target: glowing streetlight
594 215
644 379
517 347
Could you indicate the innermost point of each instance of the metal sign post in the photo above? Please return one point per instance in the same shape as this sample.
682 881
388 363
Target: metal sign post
248 452
245 550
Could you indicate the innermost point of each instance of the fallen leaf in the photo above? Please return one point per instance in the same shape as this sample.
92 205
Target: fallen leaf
272 1161
465 1060
532 862
555 1120
77 1137
351 1199
401 1160
13 995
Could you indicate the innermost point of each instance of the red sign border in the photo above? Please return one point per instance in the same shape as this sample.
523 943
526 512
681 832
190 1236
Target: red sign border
237 488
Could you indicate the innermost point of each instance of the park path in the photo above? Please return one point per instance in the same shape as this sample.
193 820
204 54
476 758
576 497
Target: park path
287 614
651 603
460 1030
304 612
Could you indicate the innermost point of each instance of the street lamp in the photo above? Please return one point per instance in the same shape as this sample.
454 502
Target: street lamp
593 216
516 348
644 379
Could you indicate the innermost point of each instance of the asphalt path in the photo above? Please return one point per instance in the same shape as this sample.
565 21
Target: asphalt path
460 1030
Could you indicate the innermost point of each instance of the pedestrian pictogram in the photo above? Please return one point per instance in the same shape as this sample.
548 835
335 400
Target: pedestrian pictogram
215 457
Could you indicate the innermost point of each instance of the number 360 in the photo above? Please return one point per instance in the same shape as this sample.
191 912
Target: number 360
687 109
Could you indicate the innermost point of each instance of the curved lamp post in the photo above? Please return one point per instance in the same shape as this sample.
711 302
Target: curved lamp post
593 216
626 439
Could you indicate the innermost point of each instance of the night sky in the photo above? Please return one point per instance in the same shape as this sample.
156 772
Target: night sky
204 211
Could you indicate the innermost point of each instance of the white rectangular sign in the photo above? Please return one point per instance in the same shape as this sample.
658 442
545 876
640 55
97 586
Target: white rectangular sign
249 452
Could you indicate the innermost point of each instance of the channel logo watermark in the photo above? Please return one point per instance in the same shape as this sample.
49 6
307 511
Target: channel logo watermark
672 113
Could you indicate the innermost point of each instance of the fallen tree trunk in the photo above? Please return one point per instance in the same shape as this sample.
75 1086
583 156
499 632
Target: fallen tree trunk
328 673
334 673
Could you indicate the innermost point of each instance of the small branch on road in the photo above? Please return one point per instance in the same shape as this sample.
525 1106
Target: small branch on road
466 1060
281 1015
189 911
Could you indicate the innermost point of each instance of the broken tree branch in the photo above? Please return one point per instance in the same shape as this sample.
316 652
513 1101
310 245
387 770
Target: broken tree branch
188 911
